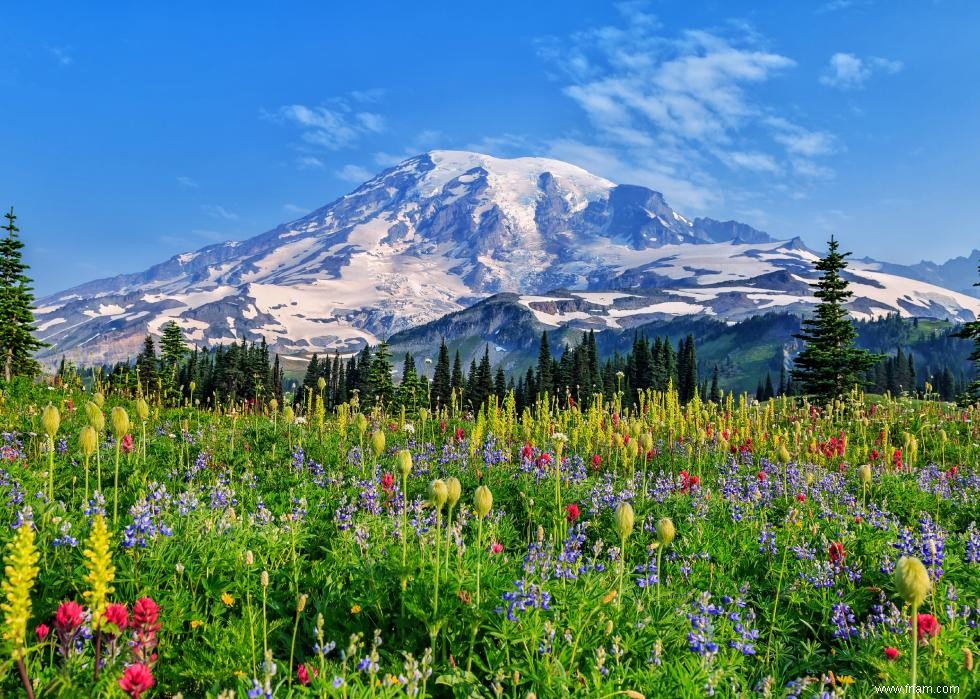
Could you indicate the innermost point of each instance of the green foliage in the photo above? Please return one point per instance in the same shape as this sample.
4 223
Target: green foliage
17 341
830 365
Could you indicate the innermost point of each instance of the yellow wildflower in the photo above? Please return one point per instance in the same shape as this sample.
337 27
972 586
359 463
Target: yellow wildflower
196 623
99 571
227 599
21 571
356 609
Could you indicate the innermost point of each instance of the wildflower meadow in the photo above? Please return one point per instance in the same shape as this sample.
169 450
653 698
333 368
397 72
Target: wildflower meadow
775 549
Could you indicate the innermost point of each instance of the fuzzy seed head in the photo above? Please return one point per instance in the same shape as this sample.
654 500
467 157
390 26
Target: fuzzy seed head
864 474
453 490
665 531
624 519
404 462
50 420
88 441
912 580
482 501
378 443
142 410
120 422
438 493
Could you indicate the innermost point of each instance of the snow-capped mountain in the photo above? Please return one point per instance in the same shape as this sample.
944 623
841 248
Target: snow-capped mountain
442 230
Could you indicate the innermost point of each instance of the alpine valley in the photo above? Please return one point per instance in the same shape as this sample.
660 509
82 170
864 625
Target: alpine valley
478 250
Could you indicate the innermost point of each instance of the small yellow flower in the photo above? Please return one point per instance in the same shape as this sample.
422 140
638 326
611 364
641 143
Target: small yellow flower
227 599
356 609
845 679
240 674
196 623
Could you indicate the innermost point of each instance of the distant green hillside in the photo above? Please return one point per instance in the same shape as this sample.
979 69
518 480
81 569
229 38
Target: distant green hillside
743 352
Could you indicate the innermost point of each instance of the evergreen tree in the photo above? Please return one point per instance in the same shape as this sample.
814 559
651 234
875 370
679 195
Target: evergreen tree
173 351
769 390
484 379
146 365
971 331
457 383
500 384
544 373
830 364
312 377
687 370
277 380
17 341
379 376
442 377
714 393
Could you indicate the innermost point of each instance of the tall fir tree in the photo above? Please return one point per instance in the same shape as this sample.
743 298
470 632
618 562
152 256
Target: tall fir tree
457 383
714 393
442 377
830 364
146 365
173 351
17 341
971 331
544 373
382 387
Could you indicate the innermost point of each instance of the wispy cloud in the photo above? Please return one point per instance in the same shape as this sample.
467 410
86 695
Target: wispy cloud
337 124
838 5
185 181
212 236
849 72
62 54
294 209
354 173
218 211
307 162
669 109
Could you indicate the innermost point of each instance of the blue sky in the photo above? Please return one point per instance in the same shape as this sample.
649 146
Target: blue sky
134 131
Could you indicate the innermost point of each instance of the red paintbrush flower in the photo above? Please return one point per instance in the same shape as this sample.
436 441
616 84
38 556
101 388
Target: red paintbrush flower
836 552
387 482
928 626
303 674
68 617
891 653
136 679
572 512
117 615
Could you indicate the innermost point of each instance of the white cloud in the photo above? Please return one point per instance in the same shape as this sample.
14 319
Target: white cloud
308 161
672 111
185 181
354 173
754 161
213 236
334 126
62 54
218 211
849 72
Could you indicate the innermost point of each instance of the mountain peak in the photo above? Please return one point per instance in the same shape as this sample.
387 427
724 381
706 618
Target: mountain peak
432 235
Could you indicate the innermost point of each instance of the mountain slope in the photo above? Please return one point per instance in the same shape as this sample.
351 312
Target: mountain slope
442 230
